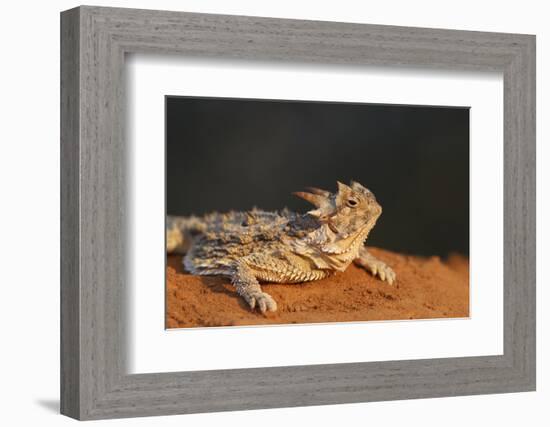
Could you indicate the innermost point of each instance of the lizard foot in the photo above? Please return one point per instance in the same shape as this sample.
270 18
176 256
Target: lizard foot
381 270
264 302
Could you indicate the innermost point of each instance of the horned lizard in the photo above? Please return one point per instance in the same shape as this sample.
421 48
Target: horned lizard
281 247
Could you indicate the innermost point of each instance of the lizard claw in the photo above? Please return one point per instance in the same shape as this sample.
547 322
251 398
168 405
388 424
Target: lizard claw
264 302
385 273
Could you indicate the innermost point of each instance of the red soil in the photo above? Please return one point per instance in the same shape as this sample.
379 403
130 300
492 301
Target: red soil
425 288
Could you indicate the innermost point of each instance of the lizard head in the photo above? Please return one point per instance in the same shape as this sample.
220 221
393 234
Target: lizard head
349 213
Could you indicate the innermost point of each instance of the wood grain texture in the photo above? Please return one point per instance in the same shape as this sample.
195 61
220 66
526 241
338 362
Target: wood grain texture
70 291
94 269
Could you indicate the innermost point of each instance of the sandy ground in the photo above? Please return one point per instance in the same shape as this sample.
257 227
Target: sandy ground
425 288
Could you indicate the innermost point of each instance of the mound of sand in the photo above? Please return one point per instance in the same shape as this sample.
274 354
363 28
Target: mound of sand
425 288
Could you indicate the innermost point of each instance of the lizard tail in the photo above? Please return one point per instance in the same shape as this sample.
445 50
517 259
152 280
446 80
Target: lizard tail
180 231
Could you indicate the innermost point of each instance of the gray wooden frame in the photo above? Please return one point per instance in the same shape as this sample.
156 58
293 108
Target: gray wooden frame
94 382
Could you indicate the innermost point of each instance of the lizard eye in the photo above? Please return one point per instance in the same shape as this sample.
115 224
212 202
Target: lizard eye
351 202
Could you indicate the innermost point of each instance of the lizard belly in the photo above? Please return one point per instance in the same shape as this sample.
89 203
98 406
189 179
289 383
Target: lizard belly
283 269
290 276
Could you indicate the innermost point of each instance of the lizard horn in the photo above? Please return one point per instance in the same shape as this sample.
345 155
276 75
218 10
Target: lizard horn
318 191
314 199
343 187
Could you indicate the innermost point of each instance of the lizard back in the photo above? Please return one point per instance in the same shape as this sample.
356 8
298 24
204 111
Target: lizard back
219 239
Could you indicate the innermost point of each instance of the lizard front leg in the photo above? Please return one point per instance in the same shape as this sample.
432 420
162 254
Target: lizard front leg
375 266
247 285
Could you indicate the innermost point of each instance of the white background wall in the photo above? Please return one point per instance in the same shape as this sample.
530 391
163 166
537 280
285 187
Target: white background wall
29 211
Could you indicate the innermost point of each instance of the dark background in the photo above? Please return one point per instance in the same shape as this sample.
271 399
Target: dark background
224 154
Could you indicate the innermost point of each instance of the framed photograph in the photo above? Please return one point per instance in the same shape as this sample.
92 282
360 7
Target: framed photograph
262 213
